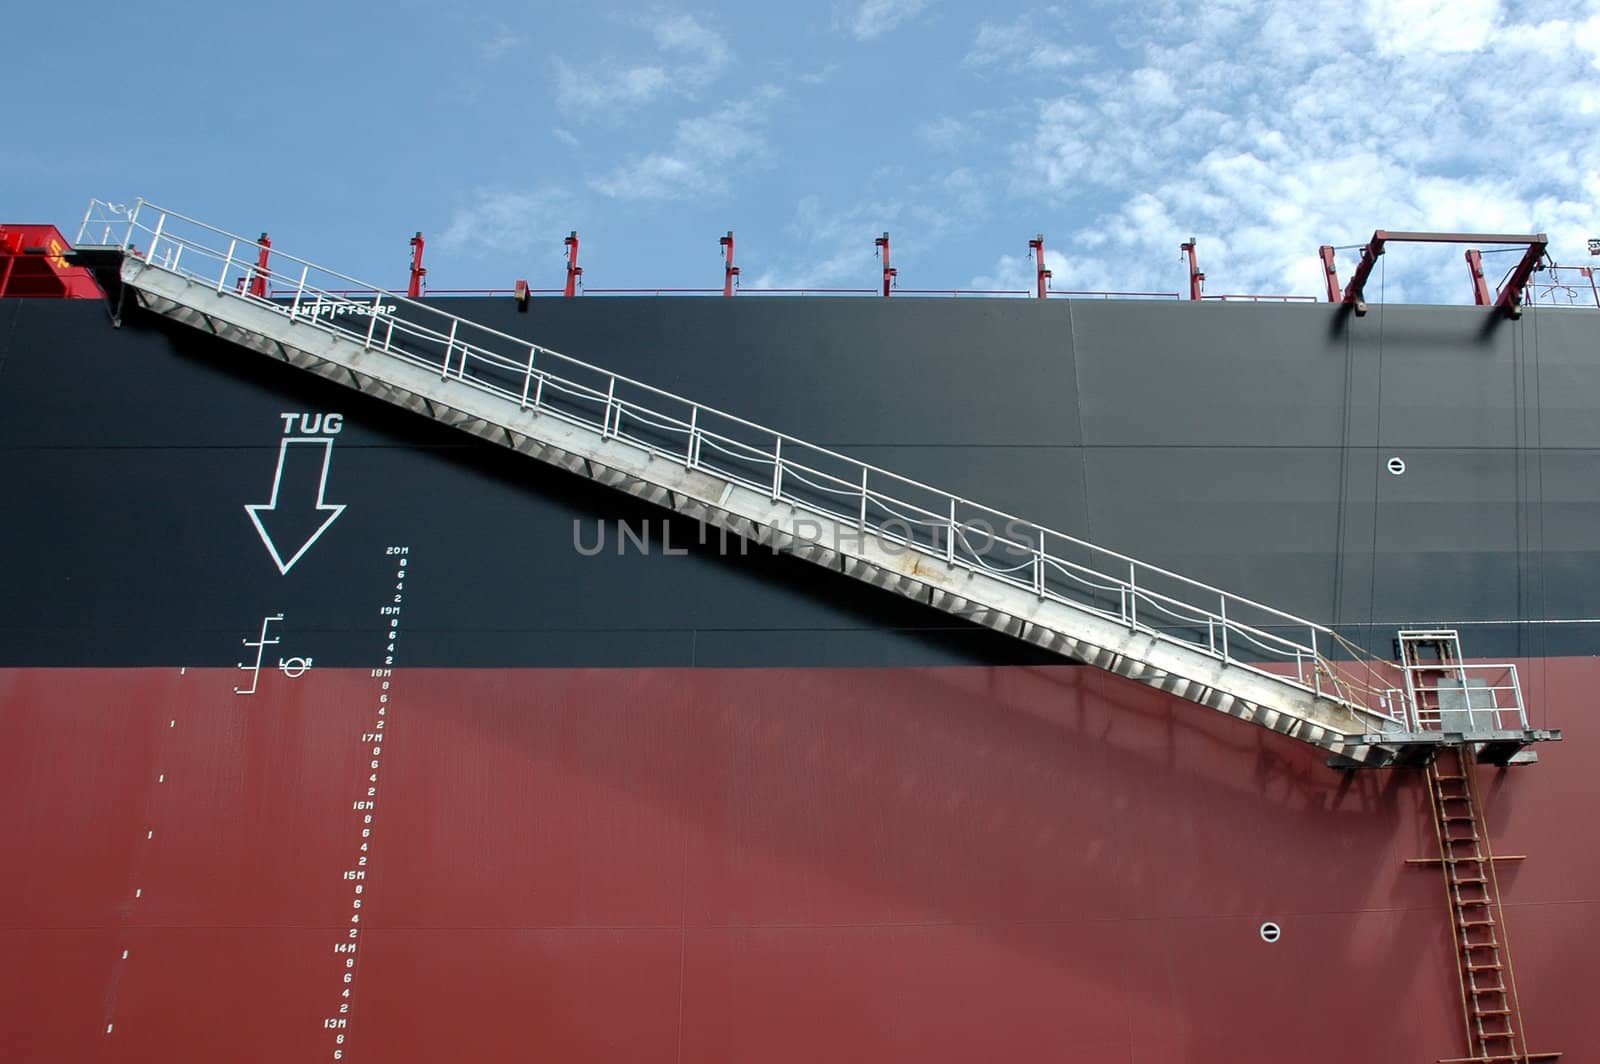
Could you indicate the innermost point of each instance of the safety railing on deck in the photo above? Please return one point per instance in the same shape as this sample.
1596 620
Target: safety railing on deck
1466 698
1565 286
861 499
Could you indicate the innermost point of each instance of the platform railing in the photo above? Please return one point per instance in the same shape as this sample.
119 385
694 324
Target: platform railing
1565 286
1484 696
860 499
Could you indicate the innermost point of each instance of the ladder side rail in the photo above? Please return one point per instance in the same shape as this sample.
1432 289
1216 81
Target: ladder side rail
935 520
1408 671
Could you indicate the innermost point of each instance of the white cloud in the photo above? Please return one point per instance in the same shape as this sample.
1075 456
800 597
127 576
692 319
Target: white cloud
1018 273
689 56
580 91
1025 44
699 155
873 18
1402 27
945 132
501 220
836 246
502 41
1242 125
684 35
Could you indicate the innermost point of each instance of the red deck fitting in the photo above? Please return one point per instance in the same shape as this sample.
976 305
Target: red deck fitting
33 264
1197 280
258 279
1511 295
418 271
574 271
1036 245
1480 284
889 272
730 272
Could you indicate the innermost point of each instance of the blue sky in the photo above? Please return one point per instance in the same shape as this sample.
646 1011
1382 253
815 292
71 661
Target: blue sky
1115 129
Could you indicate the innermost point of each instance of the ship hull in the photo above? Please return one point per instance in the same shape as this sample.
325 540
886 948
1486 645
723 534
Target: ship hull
724 865
502 765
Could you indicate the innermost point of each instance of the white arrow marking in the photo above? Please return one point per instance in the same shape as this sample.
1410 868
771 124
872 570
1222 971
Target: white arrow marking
333 510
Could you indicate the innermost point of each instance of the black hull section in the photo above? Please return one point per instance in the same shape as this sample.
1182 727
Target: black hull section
1241 445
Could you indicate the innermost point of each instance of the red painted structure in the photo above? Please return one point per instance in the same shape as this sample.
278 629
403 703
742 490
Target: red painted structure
418 271
262 273
1512 293
1197 280
33 264
1041 275
574 271
752 864
881 246
730 272
1480 283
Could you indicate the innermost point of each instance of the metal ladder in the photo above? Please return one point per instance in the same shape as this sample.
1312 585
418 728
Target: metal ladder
1491 1011
1439 688
1071 597
1492 1020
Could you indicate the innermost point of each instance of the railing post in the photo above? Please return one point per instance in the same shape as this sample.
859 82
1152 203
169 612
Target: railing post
1038 567
449 348
527 378
950 535
691 457
1316 674
372 326
1222 600
155 238
1516 691
222 278
133 220
861 522
299 293
1133 598
611 397
777 469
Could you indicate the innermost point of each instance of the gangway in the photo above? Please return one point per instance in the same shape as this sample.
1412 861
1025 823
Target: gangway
1070 597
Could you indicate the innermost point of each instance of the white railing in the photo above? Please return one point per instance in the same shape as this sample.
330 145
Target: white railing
1565 286
1466 698
899 512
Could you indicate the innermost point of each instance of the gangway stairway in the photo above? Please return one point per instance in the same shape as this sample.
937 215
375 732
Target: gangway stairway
1068 596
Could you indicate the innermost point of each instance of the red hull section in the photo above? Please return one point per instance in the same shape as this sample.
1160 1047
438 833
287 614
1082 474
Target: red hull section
745 865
